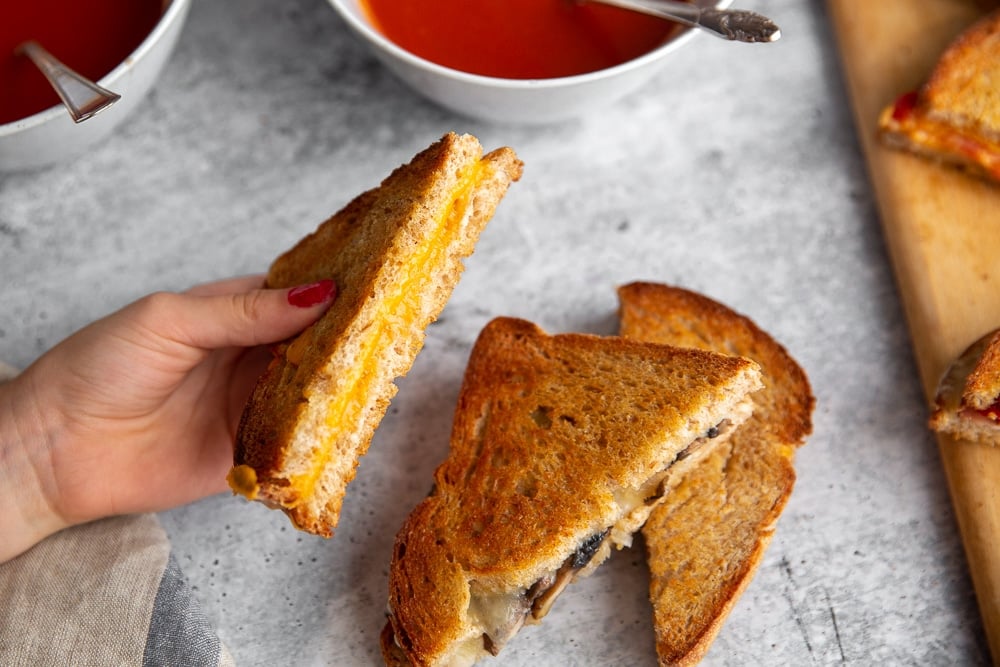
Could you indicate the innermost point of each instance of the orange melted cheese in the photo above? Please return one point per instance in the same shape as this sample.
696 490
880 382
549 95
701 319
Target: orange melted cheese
243 480
964 144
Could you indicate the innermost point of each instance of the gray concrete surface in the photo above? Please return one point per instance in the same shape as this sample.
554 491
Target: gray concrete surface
736 172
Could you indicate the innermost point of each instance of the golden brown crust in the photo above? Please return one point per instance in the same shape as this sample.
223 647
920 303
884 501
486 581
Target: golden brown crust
955 116
395 253
661 313
392 655
966 402
549 433
706 539
603 387
964 87
982 388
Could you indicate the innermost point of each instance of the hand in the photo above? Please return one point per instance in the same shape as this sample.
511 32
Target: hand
138 411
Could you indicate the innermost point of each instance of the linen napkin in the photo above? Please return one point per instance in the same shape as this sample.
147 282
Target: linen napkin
105 593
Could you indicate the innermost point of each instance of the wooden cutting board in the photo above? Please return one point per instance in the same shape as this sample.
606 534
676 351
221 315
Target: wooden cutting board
942 229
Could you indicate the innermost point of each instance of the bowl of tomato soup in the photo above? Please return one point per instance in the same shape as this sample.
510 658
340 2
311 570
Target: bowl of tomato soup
516 61
123 48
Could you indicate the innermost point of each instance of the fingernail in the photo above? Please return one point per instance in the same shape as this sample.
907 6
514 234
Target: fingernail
313 294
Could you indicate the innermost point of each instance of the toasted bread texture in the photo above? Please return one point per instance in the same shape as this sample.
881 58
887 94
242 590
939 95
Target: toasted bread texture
955 116
561 445
395 253
967 402
706 539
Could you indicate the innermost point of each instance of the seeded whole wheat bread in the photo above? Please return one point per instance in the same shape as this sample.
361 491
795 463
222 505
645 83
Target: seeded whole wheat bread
705 540
561 445
395 253
954 117
967 401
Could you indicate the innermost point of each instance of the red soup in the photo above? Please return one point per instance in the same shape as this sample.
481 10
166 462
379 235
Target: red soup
518 39
67 29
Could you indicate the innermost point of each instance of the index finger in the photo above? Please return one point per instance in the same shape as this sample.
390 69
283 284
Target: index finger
235 285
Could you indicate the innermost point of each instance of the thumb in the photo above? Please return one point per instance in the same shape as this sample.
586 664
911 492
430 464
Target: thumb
248 318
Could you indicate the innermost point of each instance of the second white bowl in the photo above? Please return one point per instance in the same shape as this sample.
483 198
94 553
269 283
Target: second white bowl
522 101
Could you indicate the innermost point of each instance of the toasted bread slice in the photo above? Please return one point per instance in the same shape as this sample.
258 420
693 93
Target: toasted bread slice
395 253
560 447
705 540
967 403
955 116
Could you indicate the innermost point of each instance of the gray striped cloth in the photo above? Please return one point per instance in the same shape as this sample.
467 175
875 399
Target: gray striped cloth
104 593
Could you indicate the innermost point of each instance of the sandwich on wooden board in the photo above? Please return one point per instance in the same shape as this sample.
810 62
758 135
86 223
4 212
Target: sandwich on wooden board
705 540
395 253
967 401
561 445
954 117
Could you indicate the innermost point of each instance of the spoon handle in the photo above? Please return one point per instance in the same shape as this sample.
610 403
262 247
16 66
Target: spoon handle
83 98
733 24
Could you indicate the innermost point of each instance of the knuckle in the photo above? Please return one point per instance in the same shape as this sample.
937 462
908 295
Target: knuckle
248 307
155 306
155 316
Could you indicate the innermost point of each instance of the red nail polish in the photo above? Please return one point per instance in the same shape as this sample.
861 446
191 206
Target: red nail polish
313 294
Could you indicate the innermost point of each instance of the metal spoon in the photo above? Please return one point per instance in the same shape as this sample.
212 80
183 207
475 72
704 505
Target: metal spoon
82 97
734 24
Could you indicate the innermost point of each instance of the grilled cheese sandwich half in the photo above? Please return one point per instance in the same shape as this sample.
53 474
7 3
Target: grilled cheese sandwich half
561 446
395 253
954 117
705 541
967 400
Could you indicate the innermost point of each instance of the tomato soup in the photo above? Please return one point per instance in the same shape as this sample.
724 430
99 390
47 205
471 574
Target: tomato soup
518 39
89 36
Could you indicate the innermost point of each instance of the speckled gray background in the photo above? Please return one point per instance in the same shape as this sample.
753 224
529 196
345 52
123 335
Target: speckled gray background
736 172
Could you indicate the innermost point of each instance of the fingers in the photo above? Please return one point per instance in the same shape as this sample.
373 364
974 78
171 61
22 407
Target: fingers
209 320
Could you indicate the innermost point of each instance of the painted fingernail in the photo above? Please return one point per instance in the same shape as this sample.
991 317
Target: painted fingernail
313 294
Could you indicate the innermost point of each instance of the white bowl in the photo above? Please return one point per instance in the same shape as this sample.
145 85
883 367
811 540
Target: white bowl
51 136
523 101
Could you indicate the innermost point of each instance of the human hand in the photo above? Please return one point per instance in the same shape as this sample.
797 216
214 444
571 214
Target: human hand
138 411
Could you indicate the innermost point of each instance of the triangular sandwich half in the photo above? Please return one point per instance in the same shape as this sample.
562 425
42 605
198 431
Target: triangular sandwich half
967 401
561 445
395 253
955 116
706 539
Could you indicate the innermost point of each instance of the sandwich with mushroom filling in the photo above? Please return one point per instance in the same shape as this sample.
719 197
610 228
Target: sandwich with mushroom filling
967 402
395 253
705 541
561 445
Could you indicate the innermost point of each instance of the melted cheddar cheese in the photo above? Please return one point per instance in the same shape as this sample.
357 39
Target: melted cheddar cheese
946 141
